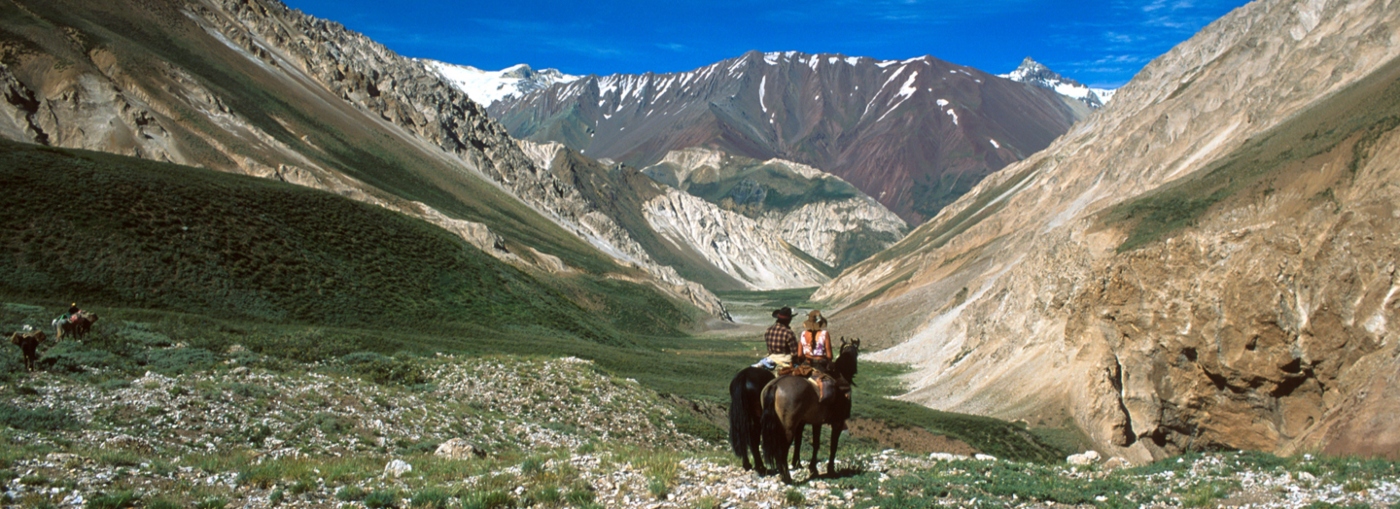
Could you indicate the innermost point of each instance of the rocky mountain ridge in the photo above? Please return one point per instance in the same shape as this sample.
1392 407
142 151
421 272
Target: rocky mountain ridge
272 92
696 233
1205 263
913 134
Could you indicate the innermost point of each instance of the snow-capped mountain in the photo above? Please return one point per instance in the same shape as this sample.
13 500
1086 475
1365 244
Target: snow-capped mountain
913 134
487 87
1035 73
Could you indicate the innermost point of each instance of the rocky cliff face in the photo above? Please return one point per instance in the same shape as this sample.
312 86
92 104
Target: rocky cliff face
913 134
814 211
256 88
1207 262
738 245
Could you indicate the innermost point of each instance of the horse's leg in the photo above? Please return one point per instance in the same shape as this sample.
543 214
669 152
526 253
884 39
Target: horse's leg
836 430
816 447
797 448
755 441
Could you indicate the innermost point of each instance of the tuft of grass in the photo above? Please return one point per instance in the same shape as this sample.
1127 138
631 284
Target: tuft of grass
211 502
432 498
1205 494
350 494
490 499
794 497
381 499
118 500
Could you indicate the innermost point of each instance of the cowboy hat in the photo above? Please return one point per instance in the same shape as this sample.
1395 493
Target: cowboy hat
783 312
815 320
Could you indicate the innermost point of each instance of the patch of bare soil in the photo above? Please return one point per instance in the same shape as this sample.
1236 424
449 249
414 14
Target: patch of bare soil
912 440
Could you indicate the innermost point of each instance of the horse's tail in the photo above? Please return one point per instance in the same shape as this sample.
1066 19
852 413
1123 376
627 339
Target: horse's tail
740 426
774 438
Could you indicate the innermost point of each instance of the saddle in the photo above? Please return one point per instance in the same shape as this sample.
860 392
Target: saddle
827 386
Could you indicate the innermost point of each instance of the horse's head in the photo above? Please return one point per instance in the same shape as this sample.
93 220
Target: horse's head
850 347
846 363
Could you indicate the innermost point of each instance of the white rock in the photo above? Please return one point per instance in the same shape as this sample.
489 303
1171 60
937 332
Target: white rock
1084 458
458 448
985 457
397 468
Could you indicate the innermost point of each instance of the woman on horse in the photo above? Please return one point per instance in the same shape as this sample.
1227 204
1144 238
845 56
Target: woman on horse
814 348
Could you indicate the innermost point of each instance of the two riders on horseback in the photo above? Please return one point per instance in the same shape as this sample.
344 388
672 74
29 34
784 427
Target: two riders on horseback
809 388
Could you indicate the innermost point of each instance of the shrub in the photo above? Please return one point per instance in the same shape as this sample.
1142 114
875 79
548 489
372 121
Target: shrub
71 357
493 499
161 503
381 499
179 360
435 498
212 502
384 370
36 419
581 497
118 500
547 495
794 497
350 494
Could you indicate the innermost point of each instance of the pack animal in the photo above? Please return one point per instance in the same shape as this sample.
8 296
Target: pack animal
790 402
28 342
77 327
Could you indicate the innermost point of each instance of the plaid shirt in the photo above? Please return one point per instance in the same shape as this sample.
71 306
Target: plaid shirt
780 339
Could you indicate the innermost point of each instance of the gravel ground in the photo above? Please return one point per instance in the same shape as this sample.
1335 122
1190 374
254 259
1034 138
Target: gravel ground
545 432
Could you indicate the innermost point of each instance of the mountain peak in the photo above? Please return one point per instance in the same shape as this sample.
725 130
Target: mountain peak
1037 74
487 87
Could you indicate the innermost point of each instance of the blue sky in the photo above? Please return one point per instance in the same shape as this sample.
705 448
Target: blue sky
1099 42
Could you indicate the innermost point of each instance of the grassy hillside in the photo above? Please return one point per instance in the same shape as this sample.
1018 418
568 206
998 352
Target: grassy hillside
115 231
146 39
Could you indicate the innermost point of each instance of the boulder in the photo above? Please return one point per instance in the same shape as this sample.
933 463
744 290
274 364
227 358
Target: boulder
1116 463
458 448
1082 459
397 468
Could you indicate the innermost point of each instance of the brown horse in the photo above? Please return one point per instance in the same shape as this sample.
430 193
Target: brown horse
77 328
28 343
791 402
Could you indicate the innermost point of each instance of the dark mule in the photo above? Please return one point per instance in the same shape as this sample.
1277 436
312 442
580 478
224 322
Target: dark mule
744 412
791 402
28 343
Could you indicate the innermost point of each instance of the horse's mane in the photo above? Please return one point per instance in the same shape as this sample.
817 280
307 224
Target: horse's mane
845 365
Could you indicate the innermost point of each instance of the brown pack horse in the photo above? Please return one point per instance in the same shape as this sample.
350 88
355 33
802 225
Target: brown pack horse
791 402
76 328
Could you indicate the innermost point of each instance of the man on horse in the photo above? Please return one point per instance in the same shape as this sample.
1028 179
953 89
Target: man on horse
782 343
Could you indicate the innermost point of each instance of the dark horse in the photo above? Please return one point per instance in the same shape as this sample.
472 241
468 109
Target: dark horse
744 412
790 402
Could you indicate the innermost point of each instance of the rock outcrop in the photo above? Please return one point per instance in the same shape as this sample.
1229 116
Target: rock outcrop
1206 262
738 245
814 211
